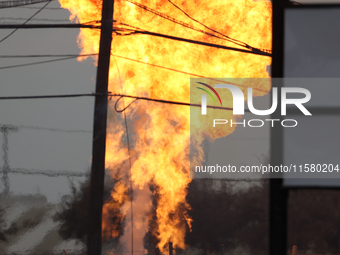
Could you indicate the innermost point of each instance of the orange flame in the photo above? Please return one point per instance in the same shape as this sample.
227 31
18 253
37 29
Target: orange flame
160 133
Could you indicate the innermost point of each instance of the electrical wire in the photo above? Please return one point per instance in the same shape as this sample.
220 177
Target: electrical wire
119 31
53 129
49 55
49 173
240 43
164 102
249 51
162 15
3 39
36 63
124 107
18 3
30 26
179 71
51 20
53 96
128 145
118 56
35 8
115 95
224 37
183 72
14 128
252 51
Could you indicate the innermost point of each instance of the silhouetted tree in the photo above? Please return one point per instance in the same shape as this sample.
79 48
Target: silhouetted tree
74 212
74 216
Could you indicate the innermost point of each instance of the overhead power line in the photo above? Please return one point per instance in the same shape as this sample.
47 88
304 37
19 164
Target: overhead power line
51 96
30 26
220 35
179 71
47 8
3 39
49 129
114 95
215 31
16 3
36 63
48 55
49 173
121 57
140 31
165 16
253 51
164 102
35 19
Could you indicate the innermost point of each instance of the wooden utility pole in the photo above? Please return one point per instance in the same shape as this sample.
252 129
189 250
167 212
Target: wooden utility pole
94 239
278 194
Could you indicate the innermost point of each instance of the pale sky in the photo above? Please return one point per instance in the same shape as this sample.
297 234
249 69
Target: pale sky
43 149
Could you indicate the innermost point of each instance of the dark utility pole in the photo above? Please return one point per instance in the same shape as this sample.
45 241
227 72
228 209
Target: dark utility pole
99 132
278 194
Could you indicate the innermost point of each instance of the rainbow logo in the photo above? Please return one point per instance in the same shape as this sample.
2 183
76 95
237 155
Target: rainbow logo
209 93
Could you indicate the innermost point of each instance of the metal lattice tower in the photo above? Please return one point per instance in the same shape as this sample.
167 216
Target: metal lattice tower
6 130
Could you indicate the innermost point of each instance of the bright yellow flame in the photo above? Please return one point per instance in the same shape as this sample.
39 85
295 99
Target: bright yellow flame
161 132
